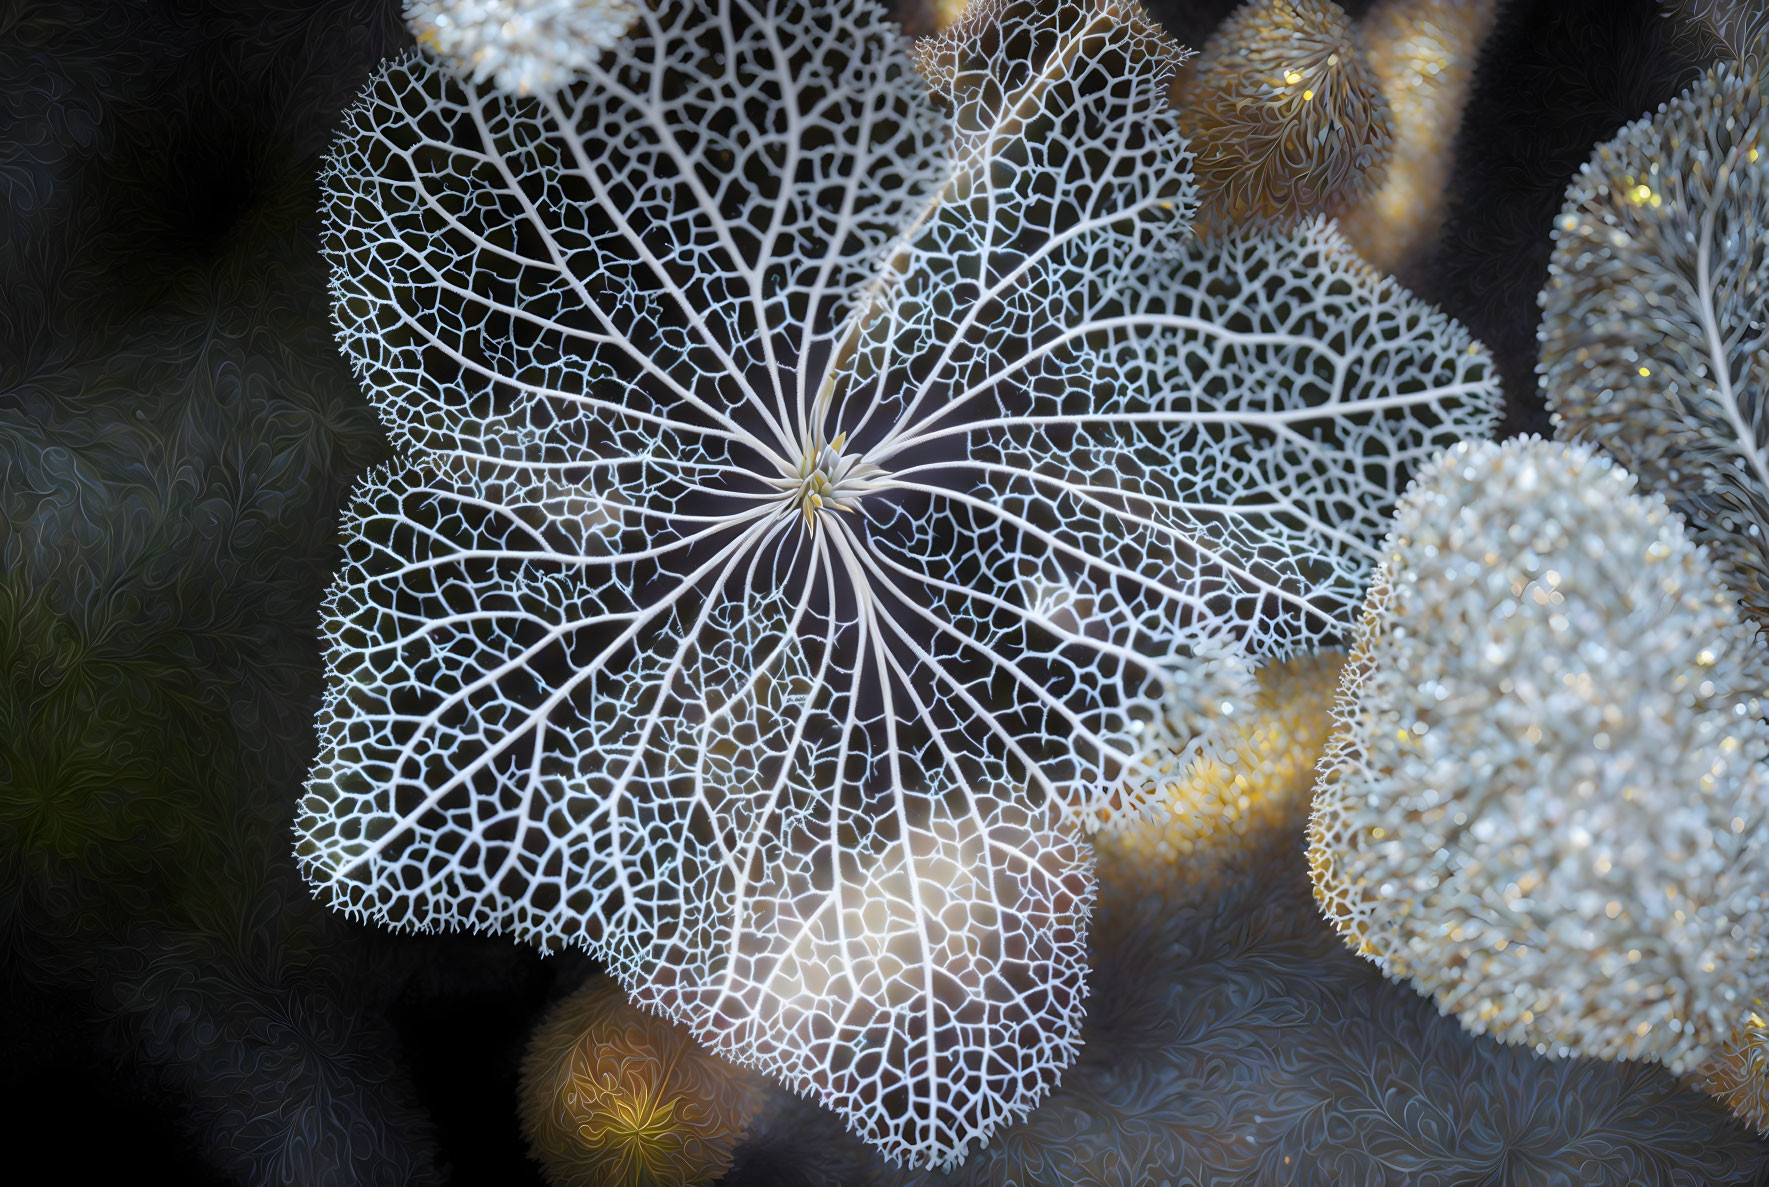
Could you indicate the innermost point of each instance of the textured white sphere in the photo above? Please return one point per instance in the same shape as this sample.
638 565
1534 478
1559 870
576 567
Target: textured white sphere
1652 318
1544 801
523 46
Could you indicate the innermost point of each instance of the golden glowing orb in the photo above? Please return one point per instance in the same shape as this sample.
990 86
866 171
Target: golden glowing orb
1216 808
614 1097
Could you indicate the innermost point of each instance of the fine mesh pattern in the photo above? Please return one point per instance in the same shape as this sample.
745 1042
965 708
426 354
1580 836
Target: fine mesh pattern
823 477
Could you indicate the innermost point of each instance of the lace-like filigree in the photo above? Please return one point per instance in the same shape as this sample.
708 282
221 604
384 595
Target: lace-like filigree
824 477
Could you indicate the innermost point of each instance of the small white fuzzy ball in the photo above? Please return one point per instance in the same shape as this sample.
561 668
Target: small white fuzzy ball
523 46
1544 801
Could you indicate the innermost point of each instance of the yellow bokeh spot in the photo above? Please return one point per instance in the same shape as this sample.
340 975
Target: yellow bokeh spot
1645 371
1423 55
1218 810
615 1096
1642 193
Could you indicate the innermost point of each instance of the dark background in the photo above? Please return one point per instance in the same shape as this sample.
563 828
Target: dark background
176 431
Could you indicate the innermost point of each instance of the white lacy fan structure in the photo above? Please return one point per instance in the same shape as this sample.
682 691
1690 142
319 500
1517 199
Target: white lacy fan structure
823 477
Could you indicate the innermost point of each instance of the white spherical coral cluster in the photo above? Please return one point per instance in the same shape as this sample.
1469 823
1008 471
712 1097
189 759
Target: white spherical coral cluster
523 46
1544 799
1653 337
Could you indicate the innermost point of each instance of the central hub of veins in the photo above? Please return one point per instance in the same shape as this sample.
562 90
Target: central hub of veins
828 478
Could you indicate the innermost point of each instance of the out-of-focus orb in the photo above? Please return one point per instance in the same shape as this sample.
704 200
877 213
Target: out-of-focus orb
921 17
613 1096
1284 115
1544 800
523 46
1206 811
1422 53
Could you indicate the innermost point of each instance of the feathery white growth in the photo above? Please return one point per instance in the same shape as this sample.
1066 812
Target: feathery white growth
1655 323
524 46
1544 800
810 495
